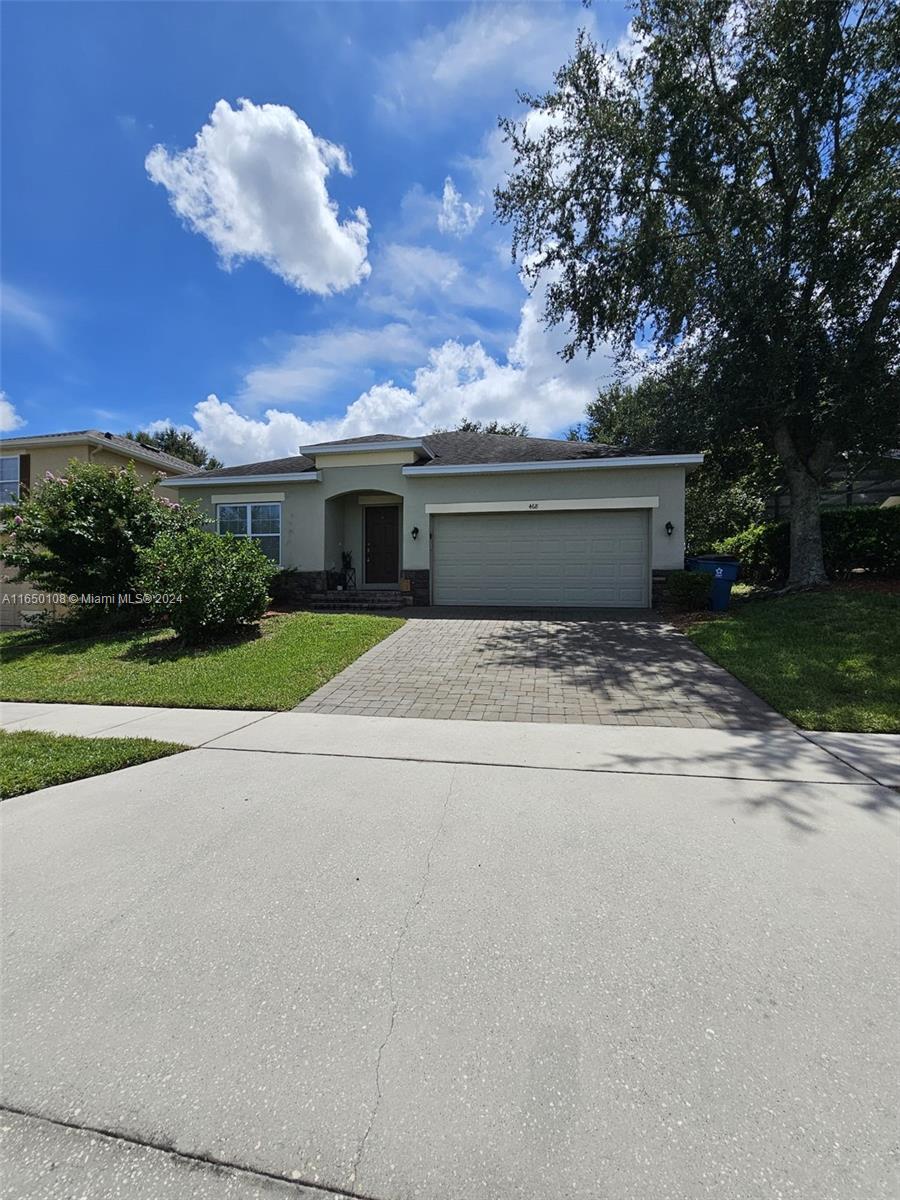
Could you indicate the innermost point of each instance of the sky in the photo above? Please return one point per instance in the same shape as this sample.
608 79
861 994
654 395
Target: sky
272 224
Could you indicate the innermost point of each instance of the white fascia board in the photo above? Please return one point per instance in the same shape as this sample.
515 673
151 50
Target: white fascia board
579 464
241 480
503 506
366 447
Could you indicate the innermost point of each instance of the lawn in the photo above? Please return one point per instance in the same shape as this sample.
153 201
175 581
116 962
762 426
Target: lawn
275 667
828 659
31 760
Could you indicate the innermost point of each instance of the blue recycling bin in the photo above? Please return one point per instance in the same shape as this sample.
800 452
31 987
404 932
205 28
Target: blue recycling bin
724 570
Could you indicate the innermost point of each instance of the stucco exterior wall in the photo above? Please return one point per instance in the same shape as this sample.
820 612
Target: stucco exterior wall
311 540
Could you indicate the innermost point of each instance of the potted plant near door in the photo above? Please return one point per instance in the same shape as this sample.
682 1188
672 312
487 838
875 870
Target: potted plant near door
348 571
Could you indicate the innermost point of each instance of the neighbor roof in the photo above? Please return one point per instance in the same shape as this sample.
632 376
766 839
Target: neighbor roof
125 444
453 449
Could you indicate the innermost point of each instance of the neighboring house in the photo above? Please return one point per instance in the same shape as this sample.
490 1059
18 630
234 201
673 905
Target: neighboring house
25 460
849 483
460 518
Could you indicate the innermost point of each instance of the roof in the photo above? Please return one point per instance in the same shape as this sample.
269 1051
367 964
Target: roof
117 441
369 437
453 449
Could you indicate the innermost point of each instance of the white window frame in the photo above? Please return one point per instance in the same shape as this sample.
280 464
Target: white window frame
9 484
247 506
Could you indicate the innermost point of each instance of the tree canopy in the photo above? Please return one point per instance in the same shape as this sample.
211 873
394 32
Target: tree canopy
728 193
180 442
510 428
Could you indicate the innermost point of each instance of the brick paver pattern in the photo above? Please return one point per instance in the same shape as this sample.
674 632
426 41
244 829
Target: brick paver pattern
609 668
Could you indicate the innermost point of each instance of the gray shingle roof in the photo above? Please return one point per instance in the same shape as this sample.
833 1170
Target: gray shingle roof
120 442
454 449
369 437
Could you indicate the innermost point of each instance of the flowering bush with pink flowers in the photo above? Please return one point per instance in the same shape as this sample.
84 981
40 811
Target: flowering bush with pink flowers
81 533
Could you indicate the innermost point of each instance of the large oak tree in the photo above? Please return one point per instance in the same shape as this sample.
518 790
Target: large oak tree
728 191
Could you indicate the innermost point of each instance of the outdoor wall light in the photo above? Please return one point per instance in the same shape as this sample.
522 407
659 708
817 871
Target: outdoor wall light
415 532
670 528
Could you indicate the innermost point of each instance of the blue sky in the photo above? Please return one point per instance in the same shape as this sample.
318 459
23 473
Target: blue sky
272 223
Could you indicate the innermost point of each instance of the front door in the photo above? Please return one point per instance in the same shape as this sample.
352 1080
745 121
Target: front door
382 543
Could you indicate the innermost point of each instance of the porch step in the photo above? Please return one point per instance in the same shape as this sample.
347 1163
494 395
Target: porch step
357 601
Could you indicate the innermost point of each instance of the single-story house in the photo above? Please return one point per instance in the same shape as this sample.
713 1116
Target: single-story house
26 458
460 518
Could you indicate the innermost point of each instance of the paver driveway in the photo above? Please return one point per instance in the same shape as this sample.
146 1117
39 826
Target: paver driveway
602 668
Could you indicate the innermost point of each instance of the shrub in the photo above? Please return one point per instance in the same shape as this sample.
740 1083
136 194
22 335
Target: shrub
203 584
852 539
82 532
688 590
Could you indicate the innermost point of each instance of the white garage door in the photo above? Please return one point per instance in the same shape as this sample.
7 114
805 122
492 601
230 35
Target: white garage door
584 558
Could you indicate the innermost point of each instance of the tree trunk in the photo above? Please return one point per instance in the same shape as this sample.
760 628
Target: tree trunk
807 566
807 562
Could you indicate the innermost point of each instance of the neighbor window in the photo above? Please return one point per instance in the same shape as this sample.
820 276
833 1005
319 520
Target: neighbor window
261 522
9 478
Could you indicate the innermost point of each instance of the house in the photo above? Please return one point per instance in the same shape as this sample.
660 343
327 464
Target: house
27 459
460 518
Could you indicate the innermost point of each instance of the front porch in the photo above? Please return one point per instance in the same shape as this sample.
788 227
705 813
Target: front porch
363 557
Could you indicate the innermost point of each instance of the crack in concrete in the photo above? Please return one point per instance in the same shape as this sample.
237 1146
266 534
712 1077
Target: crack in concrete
401 937
304 1188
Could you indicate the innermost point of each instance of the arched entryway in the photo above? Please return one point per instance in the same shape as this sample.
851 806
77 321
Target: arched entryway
363 540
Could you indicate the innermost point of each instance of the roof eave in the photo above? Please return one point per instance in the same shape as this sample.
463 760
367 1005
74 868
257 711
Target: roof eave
366 447
579 464
217 480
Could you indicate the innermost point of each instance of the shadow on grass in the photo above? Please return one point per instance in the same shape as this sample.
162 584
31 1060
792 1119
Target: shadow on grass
169 647
139 645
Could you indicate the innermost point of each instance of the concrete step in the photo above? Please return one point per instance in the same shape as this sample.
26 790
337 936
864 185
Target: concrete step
359 601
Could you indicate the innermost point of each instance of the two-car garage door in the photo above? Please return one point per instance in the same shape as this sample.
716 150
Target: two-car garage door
575 559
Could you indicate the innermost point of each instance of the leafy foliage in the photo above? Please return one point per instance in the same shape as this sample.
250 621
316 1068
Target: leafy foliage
688 590
510 428
728 195
853 539
180 442
82 532
665 411
207 584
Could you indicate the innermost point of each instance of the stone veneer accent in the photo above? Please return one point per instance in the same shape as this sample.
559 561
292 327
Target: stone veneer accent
419 585
311 581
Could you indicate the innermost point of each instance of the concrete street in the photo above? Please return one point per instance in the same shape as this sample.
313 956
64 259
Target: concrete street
330 952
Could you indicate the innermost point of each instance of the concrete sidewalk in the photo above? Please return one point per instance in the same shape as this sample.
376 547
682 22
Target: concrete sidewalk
779 753
189 726
442 979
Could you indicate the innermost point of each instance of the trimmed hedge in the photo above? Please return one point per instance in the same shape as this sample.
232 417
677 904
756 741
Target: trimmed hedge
852 539
688 590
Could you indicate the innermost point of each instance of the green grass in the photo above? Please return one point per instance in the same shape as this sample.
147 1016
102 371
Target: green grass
827 660
275 667
31 760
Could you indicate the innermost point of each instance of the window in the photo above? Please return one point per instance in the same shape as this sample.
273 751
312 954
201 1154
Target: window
261 522
9 478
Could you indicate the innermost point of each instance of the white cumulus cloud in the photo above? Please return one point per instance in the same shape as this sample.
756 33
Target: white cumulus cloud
254 184
458 379
9 418
456 216
485 54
